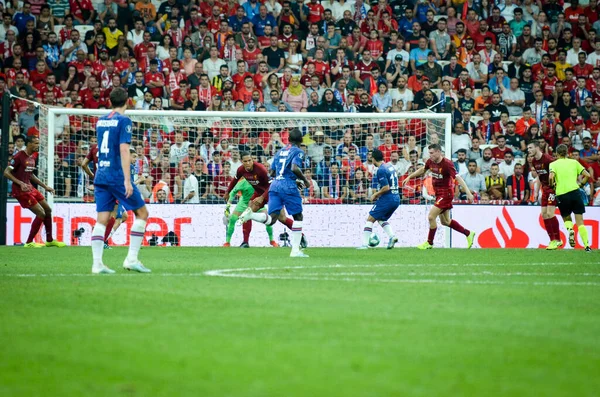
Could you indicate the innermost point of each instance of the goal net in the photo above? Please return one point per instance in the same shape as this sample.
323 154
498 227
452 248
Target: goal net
172 144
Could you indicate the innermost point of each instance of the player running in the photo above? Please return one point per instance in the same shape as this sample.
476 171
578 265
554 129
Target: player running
256 174
284 191
386 201
20 172
541 164
118 215
248 192
113 182
564 175
443 175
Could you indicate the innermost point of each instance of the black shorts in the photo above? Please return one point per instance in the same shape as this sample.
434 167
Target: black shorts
570 203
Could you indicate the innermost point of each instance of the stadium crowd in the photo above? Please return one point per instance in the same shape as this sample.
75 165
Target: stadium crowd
508 72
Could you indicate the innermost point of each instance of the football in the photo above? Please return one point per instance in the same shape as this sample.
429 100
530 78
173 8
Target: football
374 240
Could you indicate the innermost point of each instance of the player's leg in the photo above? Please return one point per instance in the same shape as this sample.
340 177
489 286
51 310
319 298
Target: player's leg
231 226
36 224
135 203
552 226
293 204
446 220
583 233
434 213
50 242
246 230
568 221
367 230
105 203
577 206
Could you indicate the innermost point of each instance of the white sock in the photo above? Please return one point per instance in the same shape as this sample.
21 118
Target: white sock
135 239
98 244
367 233
296 235
387 228
261 217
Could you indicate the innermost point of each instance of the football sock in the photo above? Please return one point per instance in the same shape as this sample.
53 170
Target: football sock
48 227
261 217
296 235
387 228
98 243
270 232
548 225
231 227
109 227
135 239
289 222
367 233
584 235
569 225
431 235
458 227
35 228
555 228
247 228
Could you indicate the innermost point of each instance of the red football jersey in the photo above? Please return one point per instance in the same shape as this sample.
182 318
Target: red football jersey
92 156
258 178
443 174
542 168
22 166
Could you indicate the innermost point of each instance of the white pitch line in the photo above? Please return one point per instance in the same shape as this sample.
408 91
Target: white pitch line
485 274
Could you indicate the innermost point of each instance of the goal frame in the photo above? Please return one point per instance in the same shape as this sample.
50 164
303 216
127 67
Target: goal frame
217 116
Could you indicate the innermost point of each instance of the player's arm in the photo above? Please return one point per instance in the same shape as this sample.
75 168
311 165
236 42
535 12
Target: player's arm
584 176
238 177
86 168
35 180
464 187
300 175
9 175
421 171
125 165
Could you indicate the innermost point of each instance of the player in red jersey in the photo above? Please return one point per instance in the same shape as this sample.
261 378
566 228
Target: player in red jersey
118 214
443 174
257 175
541 164
20 172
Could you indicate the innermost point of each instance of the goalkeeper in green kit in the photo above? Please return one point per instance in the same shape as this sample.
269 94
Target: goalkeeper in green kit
247 191
568 176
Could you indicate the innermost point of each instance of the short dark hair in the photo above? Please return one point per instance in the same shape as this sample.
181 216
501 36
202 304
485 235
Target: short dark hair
295 136
471 161
435 146
562 150
118 97
377 155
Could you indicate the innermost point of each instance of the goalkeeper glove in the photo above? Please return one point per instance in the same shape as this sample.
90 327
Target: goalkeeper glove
227 211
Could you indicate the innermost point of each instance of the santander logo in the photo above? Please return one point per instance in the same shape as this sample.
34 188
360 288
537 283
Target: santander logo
503 234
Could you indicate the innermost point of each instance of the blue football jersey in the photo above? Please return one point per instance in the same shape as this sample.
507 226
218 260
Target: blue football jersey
386 176
285 179
112 130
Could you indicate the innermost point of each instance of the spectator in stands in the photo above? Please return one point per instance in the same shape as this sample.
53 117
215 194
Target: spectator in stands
485 163
495 184
507 167
518 186
460 140
475 182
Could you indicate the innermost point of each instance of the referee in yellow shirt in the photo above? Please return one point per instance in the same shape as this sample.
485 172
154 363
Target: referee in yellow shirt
564 175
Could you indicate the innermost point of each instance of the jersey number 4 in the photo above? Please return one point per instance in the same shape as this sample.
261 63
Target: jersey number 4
104 149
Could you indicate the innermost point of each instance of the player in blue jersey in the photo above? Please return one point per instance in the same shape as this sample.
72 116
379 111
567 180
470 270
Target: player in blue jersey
113 182
386 201
284 192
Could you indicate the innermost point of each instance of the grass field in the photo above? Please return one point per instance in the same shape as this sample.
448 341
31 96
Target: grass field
340 323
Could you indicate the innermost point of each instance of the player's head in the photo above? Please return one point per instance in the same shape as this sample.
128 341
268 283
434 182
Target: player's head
32 143
247 161
562 150
533 148
132 155
435 152
118 98
295 136
377 157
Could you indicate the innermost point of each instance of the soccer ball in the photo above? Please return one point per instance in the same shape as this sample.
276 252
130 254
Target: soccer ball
374 240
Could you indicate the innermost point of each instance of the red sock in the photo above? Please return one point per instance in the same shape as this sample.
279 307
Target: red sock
109 227
48 226
548 224
247 228
289 222
458 227
35 228
555 228
431 235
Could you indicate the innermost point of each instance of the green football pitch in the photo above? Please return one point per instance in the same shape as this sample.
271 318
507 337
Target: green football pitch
232 322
